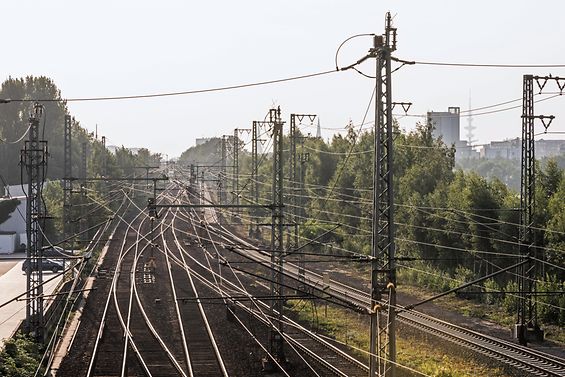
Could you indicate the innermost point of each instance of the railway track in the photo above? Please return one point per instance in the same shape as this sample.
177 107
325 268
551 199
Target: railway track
128 342
175 337
331 359
517 356
202 353
514 355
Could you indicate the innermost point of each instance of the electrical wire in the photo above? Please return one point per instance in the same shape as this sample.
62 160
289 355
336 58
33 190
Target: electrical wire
18 140
484 65
181 93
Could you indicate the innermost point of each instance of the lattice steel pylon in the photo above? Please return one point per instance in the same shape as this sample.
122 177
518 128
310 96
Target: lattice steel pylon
104 158
527 323
83 223
295 171
67 182
277 246
383 272
193 175
254 172
34 161
254 184
235 153
222 182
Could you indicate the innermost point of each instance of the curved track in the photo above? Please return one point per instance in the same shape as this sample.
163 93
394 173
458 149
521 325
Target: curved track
318 350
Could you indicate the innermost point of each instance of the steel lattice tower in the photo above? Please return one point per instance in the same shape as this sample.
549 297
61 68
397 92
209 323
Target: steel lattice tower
223 171
277 247
383 276
296 183
104 158
294 190
527 308
235 194
33 160
83 172
254 169
67 183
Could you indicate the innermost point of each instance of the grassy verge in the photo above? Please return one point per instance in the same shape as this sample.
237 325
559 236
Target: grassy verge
353 329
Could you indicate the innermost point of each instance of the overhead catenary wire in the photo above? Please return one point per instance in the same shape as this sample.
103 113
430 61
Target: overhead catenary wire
179 93
482 65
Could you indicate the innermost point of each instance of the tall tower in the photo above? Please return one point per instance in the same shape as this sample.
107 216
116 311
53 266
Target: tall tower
318 130
470 128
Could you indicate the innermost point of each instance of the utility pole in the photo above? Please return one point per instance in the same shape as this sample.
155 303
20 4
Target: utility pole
67 183
83 168
222 183
527 327
238 144
255 169
236 171
296 185
254 181
34 160
153 214
104 158
277 248
193 175
383 275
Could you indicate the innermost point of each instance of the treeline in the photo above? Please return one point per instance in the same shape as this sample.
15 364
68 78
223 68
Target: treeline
451 226
506 170
14 121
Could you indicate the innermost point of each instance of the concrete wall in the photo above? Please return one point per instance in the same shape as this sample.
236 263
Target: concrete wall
8 243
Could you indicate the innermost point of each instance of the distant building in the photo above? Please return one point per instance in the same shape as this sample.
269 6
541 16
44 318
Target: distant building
512 149
202 140
506 149
549 148
446 125
465 151
113 148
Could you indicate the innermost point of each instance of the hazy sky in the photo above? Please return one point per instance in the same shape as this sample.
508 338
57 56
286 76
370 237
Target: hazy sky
108 48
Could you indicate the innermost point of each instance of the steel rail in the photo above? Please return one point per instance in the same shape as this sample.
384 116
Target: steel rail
103 319
177 309
515 355
312 353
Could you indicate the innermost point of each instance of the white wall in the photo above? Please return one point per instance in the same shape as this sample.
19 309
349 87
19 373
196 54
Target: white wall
16 222
7 243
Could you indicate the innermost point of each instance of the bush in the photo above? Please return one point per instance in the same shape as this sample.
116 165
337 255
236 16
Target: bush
464 275
550 306
20 357
510 301
491 298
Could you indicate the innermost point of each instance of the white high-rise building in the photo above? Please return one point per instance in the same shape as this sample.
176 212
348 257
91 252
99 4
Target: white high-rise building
446 125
